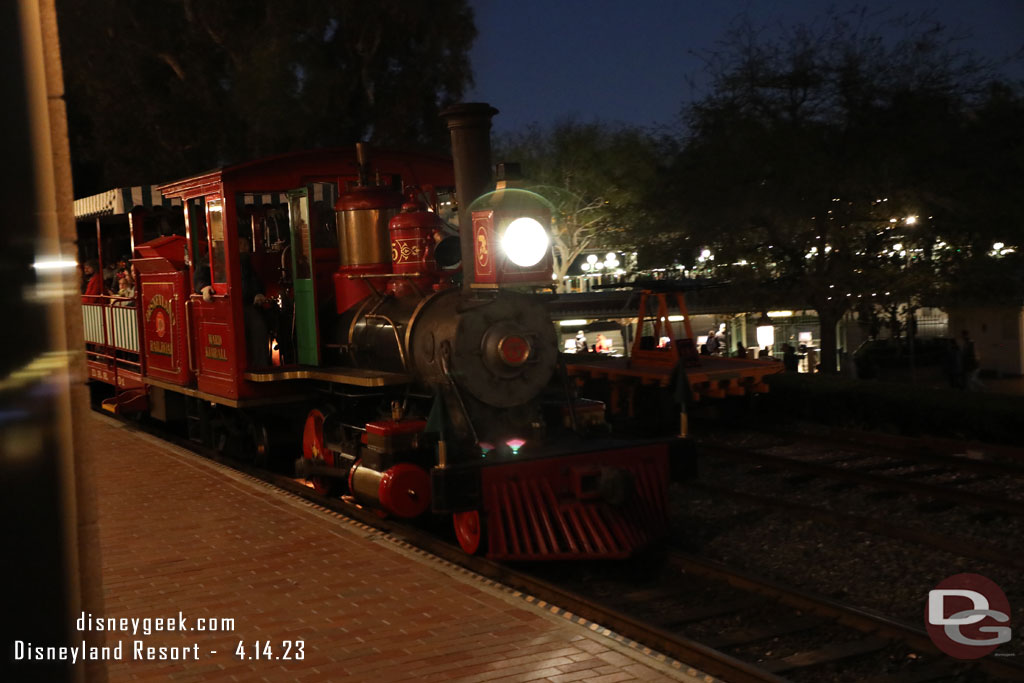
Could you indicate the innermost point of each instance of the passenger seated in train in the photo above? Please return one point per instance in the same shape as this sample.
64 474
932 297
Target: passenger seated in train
125 286
93 279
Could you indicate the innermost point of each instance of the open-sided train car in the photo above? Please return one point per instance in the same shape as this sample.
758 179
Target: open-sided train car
316 306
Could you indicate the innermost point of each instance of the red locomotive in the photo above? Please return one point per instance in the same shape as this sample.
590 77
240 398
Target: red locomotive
317 304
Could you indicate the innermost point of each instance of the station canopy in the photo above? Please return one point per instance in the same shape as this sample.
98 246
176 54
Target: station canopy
121 201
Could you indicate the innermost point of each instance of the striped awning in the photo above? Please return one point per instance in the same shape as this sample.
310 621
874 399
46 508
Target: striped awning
321 192
121 201
262 198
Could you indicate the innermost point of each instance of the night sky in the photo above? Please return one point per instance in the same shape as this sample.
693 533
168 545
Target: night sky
611 60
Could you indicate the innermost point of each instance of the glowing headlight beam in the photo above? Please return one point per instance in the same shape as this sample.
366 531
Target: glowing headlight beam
525 242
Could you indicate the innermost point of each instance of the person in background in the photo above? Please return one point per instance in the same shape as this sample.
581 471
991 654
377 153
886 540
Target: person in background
714 344
969 365
741 351
125 285
93 279
790 361
581 342
603 345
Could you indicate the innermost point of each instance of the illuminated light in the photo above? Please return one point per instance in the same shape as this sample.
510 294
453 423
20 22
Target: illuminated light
897 247
572 323
592 258
610 256
780 314
525 241
676 318
515 445
892 220
485 448
827 249
60 264
554 275
910 220
765 336
598 266
706 253
585 267
612 263
998 245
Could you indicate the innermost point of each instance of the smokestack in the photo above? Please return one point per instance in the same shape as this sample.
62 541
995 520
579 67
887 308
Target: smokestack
470 127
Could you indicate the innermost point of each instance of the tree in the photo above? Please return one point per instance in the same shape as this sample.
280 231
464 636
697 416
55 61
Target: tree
593 174
160 89
826 160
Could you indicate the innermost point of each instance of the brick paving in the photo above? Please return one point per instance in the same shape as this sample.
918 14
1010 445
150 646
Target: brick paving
179 534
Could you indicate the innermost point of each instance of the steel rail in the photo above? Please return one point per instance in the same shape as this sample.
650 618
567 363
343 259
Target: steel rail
859 618
909 448
915 488
958 546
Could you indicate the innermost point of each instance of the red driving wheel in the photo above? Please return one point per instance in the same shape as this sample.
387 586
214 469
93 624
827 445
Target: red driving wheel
469 529
314 450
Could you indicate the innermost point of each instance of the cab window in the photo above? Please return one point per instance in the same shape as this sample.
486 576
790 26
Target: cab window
218 247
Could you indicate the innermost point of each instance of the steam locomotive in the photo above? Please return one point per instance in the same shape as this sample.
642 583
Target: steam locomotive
318 305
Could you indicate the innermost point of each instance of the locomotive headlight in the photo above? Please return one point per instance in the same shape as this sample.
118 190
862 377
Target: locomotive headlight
525 242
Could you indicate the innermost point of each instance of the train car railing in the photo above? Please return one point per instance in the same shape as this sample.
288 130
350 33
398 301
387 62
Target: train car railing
111 331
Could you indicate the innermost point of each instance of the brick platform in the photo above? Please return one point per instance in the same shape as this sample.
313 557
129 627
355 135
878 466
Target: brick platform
181 534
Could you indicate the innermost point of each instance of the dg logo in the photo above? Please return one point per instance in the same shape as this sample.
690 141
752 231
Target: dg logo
964 616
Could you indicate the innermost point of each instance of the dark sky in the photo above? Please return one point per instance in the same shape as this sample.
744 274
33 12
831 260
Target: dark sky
621 60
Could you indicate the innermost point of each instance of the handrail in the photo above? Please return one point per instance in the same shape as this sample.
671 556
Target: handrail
188 333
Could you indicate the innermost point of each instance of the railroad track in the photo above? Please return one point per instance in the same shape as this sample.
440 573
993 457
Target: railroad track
861 465
830 464
869 633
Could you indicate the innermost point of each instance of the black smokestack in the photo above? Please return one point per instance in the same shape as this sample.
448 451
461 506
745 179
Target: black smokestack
470 127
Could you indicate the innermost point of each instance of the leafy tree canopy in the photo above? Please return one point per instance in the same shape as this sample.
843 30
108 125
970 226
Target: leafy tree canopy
845 163
161 89
594 174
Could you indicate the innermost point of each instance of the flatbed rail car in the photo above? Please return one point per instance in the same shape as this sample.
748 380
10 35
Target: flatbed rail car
676 365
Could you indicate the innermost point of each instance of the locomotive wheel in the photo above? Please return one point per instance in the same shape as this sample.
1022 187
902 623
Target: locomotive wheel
469 529
314 450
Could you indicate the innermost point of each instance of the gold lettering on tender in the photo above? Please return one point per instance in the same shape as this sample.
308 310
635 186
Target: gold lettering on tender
214 339
216 353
